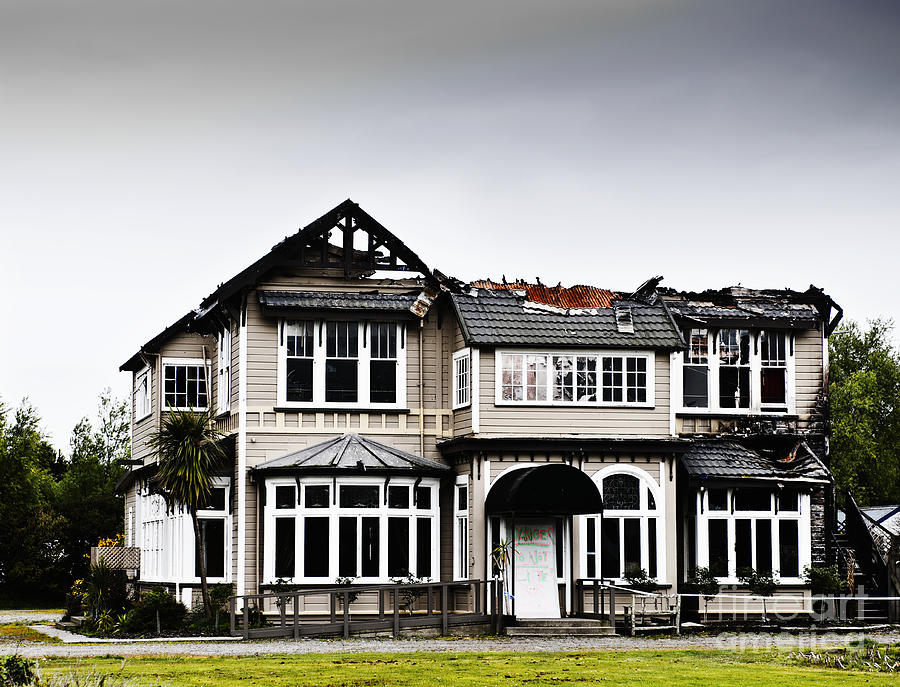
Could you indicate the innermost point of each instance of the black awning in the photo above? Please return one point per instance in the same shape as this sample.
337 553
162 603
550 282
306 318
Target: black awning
544 490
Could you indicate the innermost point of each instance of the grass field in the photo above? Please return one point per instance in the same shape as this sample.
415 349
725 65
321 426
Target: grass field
671 668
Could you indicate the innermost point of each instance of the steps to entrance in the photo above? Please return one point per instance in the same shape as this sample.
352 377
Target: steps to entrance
559 627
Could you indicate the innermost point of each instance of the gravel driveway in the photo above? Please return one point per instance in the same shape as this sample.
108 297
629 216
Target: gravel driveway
544 644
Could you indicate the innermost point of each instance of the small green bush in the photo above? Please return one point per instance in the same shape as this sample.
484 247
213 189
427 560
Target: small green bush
825 580
17 671
639 580
157 603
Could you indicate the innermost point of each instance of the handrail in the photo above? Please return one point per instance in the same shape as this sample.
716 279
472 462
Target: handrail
859 533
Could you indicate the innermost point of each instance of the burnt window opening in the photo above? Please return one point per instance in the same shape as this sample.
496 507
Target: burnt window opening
695 371
734 368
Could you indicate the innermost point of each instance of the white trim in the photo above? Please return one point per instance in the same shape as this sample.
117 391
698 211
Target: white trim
242 456
476 391
363 358
462 354
223 372
458 515
147 375
675 391
649 356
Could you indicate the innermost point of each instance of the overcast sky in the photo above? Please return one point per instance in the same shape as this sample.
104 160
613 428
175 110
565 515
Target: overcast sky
149 151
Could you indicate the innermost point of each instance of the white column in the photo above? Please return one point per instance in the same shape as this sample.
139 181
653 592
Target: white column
242 457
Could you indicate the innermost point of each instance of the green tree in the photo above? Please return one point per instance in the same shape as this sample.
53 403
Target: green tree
189 452
864 393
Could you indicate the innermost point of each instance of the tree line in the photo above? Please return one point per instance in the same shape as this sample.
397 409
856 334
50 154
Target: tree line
55 506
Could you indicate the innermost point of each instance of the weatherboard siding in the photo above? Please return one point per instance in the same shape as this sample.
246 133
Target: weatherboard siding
567 420
808 365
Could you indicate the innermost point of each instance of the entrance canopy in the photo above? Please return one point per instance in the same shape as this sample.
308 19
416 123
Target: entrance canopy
544 490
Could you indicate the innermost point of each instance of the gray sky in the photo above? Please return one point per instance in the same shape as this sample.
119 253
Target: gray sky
149 151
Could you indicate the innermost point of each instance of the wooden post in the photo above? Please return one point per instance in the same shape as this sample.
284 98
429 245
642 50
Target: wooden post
232 602
396 613
297 615
444 608
346 598
612 607
246 618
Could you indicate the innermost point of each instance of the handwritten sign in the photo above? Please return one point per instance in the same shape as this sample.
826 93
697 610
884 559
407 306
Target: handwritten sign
535 587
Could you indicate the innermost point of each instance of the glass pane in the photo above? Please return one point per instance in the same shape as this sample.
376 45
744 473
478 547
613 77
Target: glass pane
591 541
651 502
753 499
341 381
317 496
370 547
632 535
359 496
562 380
383 381
742 545
423 547
718 547
789 548
285 497
398 547
285 545
216 500
773 385
398 497
764 547
559 549
609 548
718 499
212 540
347 547
621 492
788 500
299 379
696 387
315 547
734 387
651 547
462 498
423 498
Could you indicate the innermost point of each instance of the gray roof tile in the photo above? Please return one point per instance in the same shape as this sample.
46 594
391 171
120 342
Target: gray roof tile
729 460
351 453
336 300
494 317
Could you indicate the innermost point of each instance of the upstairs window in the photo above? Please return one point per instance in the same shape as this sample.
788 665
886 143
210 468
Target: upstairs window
184 385
223 383
574 379
734 368
142 394
773 368
462 364
696 369
342 363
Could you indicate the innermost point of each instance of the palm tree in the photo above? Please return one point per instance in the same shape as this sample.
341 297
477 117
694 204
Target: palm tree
189 453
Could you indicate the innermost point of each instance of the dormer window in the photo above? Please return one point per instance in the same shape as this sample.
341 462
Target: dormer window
341 364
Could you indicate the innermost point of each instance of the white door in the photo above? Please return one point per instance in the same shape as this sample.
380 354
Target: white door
534 561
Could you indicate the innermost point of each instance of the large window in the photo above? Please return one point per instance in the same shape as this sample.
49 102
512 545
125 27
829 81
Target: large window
753 528
142 394
342 364
184 384
365 529
627 538
575 379
223 366
734 370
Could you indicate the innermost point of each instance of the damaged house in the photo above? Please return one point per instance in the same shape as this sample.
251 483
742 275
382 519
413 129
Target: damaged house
386 420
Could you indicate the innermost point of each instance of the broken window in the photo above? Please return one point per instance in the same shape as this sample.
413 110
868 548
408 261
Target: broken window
695 370
512 377
575 378
734 368
773 370
299 342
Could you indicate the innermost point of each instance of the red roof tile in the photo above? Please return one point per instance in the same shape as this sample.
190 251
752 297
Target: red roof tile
578 296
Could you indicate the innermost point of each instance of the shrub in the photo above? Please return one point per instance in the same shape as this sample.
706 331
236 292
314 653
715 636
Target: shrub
639 580
103 590
17 670
759 585
825 580
157 609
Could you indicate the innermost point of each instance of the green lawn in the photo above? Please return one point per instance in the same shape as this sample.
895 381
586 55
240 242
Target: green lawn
20 632
645 667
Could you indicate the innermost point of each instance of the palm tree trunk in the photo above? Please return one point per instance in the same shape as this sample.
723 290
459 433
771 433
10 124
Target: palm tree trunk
204 588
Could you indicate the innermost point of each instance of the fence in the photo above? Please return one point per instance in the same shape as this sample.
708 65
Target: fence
343 610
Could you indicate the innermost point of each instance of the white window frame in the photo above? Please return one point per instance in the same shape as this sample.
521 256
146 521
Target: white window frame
755 364
190 362
143 394
649 356
363 366
223 370
462 378
334 512
461 542
773 515
646 485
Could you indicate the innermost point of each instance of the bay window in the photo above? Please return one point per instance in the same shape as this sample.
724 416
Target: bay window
574 378
732 370
754 528
343 364
367 529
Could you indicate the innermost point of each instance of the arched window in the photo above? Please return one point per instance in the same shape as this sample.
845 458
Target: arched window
626 539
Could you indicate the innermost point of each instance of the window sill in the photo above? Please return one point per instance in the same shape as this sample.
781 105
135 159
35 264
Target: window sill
589 406
740 412
341 409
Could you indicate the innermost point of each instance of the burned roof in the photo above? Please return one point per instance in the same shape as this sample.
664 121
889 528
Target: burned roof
725 460
509 317
337 300
578 296
351 453
753 307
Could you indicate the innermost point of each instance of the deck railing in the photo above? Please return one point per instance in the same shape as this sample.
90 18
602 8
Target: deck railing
347 609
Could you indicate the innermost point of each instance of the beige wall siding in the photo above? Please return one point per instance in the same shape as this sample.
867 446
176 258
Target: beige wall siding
143 428
262 356
808 365
564 420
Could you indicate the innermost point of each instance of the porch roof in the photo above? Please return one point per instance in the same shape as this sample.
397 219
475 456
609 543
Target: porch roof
351 453
731 461
550 489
